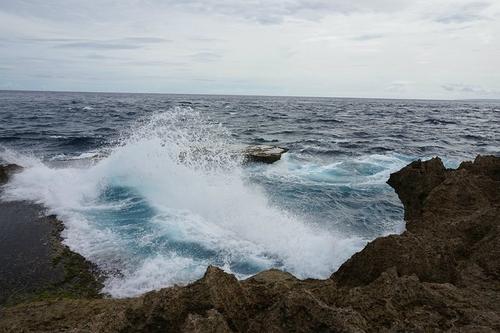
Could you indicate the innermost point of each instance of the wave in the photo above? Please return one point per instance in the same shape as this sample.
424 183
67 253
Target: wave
80 141
170 199
353 172
435 121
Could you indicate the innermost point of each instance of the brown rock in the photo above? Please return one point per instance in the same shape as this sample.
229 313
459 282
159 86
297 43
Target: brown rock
264 153
414 182
212 322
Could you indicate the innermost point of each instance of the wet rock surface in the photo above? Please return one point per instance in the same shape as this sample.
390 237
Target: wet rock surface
263 153
7 170
34 264
441 274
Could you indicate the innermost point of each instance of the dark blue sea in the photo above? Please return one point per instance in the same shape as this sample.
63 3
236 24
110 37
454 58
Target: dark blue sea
152 189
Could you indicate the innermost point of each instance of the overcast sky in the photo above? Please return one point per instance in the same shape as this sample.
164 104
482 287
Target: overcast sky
347 48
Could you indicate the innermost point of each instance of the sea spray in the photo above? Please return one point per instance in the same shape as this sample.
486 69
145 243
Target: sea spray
172 198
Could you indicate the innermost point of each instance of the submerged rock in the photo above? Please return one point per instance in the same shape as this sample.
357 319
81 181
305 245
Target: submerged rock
441 274
263 153
7 170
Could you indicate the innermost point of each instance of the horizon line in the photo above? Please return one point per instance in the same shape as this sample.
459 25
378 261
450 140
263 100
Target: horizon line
242 95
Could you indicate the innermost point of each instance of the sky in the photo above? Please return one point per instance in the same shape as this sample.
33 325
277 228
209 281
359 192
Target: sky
436 49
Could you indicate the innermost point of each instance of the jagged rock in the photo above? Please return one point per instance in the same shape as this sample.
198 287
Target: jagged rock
211 322
452 227
7 170
442 274
263 153
414 182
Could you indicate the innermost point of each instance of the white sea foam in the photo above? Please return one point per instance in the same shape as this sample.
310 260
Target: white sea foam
81 156
181 165
356 172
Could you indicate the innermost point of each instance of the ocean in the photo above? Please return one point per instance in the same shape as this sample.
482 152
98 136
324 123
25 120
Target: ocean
151 188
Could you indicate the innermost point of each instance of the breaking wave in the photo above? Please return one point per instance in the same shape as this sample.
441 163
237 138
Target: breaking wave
171 198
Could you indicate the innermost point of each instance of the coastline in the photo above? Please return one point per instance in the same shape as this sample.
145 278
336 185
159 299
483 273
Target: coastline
34 263
442 273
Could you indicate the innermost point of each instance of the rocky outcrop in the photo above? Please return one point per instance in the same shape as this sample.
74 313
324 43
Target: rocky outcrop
263 153
414 183
7 170
441 274
453 220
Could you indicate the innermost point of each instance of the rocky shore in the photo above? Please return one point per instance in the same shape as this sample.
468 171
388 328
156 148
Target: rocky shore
441 274
34 263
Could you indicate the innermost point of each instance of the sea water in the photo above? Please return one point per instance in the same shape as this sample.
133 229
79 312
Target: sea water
152 189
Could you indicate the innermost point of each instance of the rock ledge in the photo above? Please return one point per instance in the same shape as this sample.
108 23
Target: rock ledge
263 153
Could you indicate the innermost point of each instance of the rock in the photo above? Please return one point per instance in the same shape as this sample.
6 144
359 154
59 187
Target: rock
414 182
263 153
453 220
211 322
34 263
441 274
7 170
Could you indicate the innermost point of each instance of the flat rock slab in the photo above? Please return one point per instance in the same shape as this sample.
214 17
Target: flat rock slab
25 250
264 153
34 264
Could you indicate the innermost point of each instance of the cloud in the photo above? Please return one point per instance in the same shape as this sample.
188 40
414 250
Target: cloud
284 47
156 63
320 39
96 56
47 76
206 39
367 37
127 43
203 80
274 12
469 89
146 40
205 56
99 46
49 40
458 18
399 86
331 38
464 14
264 12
